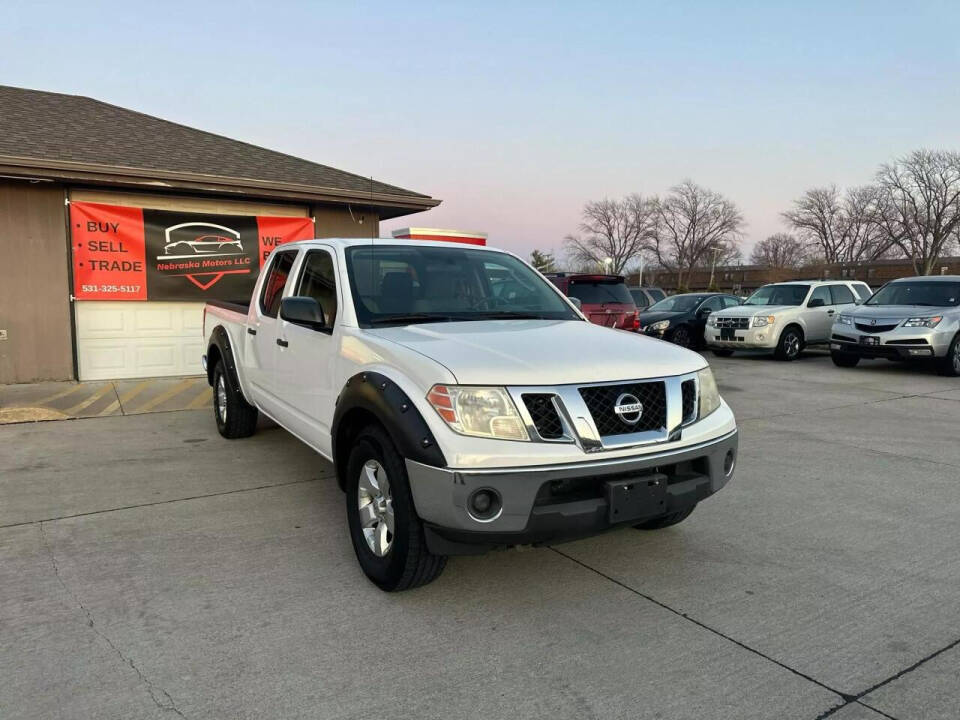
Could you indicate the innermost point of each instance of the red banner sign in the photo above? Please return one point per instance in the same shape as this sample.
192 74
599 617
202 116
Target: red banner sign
125 253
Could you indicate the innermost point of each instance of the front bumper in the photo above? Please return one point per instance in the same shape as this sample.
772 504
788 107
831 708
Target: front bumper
558 502
902 343
761 338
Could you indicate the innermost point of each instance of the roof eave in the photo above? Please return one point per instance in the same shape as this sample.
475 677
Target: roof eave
388 205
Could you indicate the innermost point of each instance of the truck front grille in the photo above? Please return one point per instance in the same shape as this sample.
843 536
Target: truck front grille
544 415
689 391
601 400
738 323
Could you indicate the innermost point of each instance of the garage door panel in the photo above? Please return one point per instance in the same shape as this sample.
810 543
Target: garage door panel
118 340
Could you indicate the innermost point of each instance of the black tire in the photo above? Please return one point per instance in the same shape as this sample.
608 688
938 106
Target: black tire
681 336
722 352
665 521
407 563
949 365
790 344
842 359
235 417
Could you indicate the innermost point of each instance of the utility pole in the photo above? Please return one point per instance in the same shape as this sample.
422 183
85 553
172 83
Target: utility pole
713 266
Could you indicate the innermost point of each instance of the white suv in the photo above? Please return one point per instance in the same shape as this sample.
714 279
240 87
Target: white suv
783 318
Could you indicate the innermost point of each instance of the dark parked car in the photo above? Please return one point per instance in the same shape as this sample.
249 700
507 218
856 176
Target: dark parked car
604 299
681 319
644 297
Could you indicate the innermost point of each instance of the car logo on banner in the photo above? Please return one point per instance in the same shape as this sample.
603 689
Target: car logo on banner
214 250
628 408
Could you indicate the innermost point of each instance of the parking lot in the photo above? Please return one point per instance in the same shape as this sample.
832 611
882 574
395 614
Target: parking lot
149 568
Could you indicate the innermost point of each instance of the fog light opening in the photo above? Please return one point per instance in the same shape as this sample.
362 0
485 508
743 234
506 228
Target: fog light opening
729 463
484 505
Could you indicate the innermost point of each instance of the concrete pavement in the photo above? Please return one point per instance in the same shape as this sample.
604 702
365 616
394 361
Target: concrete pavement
149 568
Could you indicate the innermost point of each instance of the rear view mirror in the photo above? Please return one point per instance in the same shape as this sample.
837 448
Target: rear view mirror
816 302
576 302
305 311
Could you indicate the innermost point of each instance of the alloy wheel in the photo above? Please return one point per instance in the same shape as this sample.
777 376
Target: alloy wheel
375 506
791 345
221 399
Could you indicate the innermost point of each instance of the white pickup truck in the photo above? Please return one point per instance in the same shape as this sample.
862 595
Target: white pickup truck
464 401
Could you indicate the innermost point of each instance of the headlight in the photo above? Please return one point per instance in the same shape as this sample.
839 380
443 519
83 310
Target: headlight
662 325
709 395
928 322
712 321
478 411
764 320
845 320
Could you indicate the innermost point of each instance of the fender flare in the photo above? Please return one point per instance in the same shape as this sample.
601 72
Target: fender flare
389 404
220 339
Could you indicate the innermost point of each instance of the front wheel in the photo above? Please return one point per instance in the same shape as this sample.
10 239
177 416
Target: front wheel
842 359
386 533
236 418
950 364
666 520
681 336
790 345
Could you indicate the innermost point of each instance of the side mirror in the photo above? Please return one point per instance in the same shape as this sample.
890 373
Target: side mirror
305 311
816 302
858 301
576 302
703 312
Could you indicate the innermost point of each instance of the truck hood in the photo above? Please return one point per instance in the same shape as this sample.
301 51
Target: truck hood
541 352
751 310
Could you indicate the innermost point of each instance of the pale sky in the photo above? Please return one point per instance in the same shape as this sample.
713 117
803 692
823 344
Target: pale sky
515 113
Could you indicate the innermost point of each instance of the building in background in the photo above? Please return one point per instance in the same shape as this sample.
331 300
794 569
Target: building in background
460 236
116 227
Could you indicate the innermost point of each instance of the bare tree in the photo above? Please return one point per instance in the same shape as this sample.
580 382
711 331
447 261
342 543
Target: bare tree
780 250
840 226
919 205
693 223
614 229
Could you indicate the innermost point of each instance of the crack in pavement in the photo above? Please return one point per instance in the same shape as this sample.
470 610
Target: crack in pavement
847 698
161 698
160 502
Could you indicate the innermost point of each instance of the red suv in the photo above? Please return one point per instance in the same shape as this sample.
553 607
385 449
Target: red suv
604 299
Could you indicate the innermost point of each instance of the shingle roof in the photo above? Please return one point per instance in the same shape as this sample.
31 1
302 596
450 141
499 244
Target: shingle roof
70 128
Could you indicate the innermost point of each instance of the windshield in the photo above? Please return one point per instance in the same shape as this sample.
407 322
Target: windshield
778 295
402 284
677 303
593 292
918 292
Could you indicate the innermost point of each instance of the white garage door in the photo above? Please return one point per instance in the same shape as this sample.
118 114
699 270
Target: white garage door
138 339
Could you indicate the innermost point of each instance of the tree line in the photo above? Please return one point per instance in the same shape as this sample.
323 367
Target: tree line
910 210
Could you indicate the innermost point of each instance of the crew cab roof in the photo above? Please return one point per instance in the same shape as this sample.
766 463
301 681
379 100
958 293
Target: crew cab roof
384 242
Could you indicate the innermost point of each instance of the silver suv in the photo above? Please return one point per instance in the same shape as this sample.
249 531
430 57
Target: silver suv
914 318
783 318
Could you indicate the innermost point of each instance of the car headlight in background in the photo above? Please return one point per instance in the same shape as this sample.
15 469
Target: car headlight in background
709 395
929 322
763 320
661 325
845 320
712 321
478 411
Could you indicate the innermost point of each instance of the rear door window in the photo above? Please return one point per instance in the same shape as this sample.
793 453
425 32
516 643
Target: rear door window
657 295
276 280
862 290
841 295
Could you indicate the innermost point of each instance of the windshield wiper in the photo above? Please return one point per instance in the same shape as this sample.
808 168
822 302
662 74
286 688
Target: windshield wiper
507 315
411 318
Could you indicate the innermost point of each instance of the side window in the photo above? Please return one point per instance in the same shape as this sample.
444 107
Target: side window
713 304
729 302
319 281
841 294
862 290
821 293
656 295
275 282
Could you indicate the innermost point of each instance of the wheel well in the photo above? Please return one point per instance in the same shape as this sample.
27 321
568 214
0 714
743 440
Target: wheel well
797 327
349 427
213 357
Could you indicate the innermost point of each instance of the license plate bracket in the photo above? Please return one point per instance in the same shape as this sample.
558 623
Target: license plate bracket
728 334
636 498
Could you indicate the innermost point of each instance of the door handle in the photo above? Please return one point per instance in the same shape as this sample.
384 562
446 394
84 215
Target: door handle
282 343
251 331
830 312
